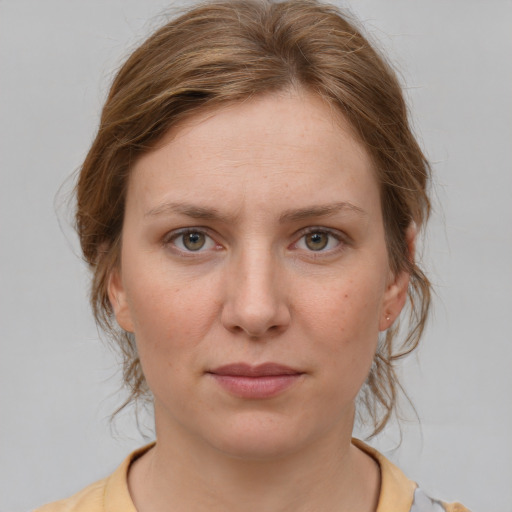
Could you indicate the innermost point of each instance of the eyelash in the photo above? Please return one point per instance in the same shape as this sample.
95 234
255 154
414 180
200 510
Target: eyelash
171 238
332 234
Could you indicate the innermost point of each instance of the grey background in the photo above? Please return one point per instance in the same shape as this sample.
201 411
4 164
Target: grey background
58 381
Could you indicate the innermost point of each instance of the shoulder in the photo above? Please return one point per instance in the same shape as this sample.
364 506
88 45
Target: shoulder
89 499
398 493
423 503
103 496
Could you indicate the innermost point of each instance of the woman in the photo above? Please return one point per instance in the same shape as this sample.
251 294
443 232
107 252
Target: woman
249 209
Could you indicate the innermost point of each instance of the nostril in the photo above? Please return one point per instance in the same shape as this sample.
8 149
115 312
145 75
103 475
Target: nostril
255 305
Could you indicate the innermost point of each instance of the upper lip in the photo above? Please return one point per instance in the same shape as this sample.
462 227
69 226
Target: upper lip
248 370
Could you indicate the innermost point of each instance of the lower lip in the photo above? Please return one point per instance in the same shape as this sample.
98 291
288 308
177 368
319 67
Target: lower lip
266 386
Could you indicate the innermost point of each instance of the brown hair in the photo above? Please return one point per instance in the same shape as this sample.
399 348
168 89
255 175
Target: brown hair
228 51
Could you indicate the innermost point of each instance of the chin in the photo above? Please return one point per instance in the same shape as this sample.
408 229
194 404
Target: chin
264 437
258 447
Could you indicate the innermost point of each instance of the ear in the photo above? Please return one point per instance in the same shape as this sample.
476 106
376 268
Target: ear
118 300
396 291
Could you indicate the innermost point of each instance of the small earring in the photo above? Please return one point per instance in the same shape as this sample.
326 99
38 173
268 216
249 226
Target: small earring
387 318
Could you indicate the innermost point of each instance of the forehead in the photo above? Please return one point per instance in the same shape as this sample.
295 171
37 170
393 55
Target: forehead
287 145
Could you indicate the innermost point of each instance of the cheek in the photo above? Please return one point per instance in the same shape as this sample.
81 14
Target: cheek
343 320
170 320
171 312
349 308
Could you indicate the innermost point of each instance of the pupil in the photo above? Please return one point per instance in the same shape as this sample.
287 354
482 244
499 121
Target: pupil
316 241
194 241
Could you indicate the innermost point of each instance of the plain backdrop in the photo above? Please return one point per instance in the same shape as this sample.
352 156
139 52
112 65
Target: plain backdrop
59 383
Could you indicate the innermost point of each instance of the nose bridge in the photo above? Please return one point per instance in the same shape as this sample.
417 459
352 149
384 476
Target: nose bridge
255 303
256 275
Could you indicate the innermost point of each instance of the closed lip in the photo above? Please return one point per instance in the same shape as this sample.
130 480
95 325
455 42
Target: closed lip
255 382
260 370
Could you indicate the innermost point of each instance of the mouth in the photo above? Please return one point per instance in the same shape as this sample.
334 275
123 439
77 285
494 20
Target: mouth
255 382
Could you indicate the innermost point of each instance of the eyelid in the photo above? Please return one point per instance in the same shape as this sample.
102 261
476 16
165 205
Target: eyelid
169 239
340 237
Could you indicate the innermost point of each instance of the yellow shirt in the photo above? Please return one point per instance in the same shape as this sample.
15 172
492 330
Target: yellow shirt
397 492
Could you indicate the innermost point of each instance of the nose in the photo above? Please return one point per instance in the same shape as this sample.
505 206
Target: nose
255 301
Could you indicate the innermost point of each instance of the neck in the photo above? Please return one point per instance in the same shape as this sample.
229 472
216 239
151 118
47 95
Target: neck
181 473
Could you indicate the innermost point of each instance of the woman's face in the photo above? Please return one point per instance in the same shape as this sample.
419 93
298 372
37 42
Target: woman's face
255 276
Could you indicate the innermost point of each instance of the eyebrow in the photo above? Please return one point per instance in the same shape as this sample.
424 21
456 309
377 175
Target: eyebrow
323 210
291 215
190 210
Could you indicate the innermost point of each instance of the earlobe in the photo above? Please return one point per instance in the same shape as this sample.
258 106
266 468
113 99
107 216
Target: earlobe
396 296
396 292
117 297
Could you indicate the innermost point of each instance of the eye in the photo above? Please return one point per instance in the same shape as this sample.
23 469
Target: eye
192 240
318 240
